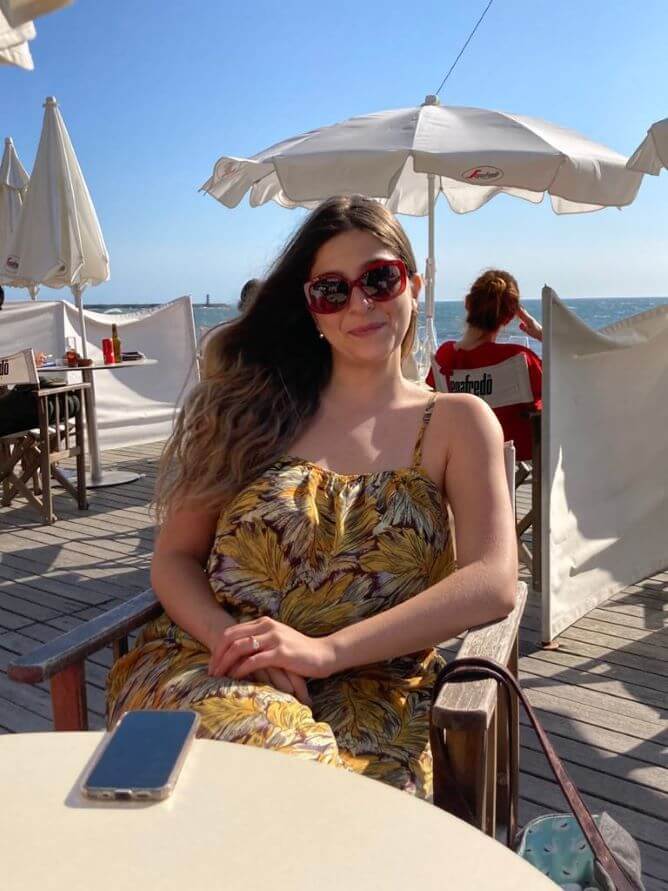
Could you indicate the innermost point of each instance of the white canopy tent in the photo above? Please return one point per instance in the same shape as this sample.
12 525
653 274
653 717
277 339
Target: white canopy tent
652 153
13 185
58 241
406 157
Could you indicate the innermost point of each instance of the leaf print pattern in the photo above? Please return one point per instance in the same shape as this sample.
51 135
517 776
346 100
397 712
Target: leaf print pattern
318 551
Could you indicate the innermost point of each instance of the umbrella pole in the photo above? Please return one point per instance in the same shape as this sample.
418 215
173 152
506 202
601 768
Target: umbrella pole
77 290
91 413
430 333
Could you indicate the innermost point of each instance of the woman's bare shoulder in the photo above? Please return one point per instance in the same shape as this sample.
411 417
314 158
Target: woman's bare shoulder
460 415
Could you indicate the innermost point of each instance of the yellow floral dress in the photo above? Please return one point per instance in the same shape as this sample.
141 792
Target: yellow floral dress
316 550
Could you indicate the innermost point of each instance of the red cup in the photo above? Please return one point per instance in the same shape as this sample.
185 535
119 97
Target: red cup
108 351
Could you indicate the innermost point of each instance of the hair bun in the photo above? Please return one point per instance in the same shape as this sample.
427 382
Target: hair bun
498 285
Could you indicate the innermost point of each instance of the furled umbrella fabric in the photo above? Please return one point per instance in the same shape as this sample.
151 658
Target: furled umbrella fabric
652 153
58 241
406 157
13 185
14 48
18 12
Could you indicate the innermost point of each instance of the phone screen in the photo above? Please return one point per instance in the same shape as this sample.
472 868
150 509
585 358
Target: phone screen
143 751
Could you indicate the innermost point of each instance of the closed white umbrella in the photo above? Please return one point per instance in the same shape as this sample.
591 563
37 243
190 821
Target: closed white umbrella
13 184
14 43
652 153
18 12
407 156
58 241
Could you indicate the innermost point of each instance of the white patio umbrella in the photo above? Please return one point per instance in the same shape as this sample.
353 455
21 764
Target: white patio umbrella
13 184
14 48
58 241
652 153
407 156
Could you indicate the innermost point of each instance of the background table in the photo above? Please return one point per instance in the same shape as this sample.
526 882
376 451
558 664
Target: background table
99 477
241 819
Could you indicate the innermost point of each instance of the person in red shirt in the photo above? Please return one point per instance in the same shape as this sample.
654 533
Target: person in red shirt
491 304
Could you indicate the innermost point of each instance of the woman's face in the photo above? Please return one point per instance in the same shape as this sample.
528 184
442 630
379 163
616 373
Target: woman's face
364 331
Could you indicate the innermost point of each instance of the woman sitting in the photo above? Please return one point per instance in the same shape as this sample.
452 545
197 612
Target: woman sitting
491 304
305 560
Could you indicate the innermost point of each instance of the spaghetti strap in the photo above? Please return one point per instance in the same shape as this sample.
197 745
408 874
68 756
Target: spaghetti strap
417 451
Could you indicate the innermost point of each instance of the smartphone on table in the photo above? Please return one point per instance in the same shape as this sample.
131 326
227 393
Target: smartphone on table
142 757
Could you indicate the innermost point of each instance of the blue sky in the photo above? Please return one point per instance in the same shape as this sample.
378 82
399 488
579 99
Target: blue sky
153 92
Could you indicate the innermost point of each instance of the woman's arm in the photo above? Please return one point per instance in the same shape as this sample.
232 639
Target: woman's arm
179 579
480 590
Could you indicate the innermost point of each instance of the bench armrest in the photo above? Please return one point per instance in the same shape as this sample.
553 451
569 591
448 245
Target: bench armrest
74 646
471 705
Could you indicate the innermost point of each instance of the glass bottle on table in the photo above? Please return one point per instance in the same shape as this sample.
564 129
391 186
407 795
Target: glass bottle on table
116 342
71 352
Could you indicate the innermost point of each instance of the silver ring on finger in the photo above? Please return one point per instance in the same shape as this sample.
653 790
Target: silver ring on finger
255 643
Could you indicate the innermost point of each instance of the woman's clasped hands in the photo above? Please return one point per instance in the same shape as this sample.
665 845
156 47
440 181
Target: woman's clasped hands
268 651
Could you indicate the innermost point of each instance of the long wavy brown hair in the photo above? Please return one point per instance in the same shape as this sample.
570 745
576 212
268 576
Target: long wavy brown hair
263 373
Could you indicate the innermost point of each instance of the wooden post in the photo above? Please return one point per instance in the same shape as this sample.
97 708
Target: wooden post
508 759
68 696
460 773
45 463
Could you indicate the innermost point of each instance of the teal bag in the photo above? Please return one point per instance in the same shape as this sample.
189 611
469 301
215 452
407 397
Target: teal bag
579 852
556 845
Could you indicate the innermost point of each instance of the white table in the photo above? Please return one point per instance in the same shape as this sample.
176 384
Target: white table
240 819
99 477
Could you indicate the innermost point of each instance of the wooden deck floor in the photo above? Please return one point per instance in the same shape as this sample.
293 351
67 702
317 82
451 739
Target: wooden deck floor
602 695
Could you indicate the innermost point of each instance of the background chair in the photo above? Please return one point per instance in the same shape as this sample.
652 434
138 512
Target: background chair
49 428
503 385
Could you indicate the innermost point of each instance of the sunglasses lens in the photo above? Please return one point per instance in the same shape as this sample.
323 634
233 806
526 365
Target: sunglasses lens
328 294
382 282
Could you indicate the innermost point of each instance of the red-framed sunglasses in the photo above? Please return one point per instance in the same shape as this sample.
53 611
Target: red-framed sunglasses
381 280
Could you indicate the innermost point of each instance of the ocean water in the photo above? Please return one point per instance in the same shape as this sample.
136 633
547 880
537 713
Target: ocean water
450 316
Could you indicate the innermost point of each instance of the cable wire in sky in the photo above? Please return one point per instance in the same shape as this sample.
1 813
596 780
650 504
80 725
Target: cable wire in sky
461 52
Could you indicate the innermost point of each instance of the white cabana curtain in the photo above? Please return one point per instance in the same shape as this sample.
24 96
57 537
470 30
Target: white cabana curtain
134 405
605 458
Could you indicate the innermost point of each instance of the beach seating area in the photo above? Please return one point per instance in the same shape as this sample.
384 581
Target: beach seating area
601 695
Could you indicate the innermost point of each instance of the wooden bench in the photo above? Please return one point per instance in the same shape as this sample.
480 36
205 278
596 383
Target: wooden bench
473 767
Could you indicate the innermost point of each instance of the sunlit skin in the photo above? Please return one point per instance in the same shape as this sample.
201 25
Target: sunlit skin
367 421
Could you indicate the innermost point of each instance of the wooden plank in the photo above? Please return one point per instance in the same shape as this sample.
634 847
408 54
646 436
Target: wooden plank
628 713
26 593
83 594
83 574
584 642
15 719
634 682
588 714
638 701
33 699
595 782
26 608
12 621
78 643
99 524
601 656
621 766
